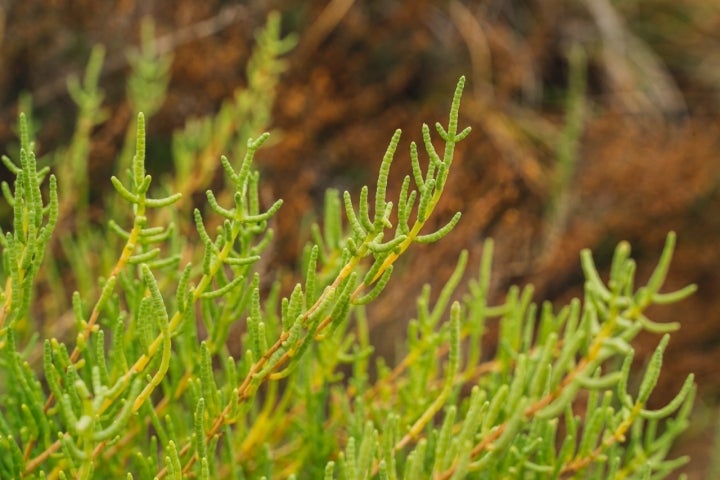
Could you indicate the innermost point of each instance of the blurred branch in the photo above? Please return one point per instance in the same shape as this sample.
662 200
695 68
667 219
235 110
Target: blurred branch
478 47
328 19
637 76
170 42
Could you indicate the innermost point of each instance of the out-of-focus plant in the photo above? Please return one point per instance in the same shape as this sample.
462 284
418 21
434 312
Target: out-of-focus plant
181 359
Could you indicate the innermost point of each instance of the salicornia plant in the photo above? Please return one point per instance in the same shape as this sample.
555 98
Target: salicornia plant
179 357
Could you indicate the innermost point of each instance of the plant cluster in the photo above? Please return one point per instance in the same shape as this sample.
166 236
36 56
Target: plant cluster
179 355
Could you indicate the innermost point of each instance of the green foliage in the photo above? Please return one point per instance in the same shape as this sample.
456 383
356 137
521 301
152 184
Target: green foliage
179 358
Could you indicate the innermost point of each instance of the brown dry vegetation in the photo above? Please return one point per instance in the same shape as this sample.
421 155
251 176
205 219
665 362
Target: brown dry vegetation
647 160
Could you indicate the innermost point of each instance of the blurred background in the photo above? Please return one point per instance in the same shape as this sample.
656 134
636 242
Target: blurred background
594 121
